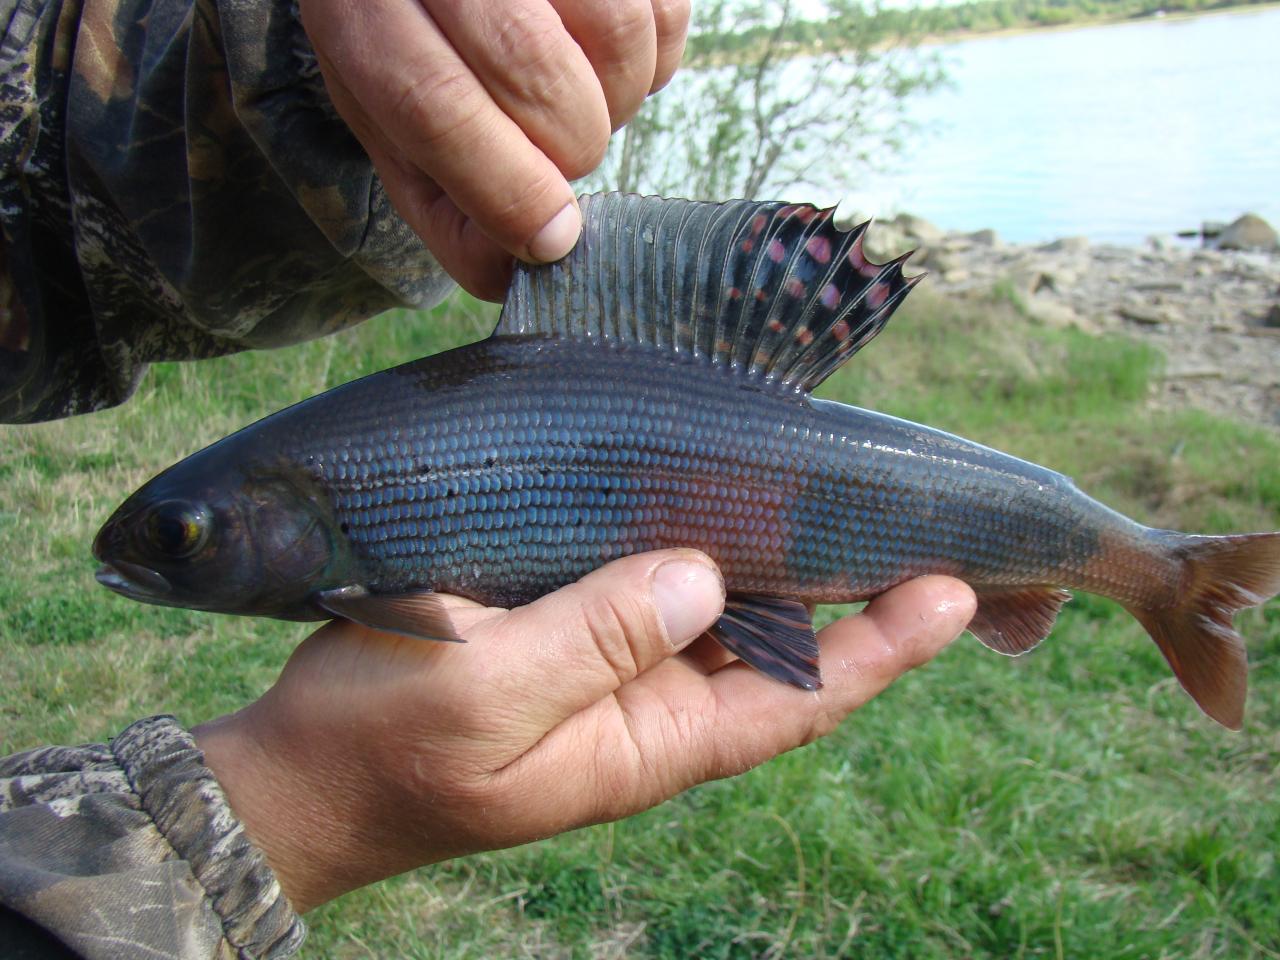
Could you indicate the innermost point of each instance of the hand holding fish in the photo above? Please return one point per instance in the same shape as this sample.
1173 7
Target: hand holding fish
477 115
375 753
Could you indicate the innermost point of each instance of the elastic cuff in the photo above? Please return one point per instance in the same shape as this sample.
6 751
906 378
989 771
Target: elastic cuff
166 769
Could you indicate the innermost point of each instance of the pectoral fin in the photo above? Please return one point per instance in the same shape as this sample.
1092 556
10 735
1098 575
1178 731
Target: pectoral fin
774 636
420 614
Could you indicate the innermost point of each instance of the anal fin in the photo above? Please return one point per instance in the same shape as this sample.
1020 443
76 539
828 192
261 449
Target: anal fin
774 636
420 614
1013 620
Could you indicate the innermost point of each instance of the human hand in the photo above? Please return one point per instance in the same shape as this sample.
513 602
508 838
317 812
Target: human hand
374 753
476 115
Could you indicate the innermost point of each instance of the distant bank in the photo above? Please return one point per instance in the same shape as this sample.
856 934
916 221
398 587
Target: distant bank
964 34
937 25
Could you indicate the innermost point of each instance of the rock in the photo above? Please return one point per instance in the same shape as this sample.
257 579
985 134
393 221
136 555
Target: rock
1140 313
1272 318
847 219
884 241
1211 228
1052 312
919 228
1033 276
956 275
1067 245
985 238
1249 232
940 260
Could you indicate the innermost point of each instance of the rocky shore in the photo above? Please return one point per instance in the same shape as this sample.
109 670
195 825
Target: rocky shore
1215 313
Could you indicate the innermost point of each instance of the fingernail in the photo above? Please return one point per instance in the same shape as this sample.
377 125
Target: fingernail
558 237
689 597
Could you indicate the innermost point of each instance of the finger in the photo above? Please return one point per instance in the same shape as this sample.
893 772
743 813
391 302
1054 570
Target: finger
860 656
574 647
466 252
531 66
707 655
619 39
671 22
405 81
672 728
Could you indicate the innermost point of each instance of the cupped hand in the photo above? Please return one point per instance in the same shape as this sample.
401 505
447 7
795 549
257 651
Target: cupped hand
374 754
477 115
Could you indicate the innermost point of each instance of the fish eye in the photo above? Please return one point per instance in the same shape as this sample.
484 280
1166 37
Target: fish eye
177 528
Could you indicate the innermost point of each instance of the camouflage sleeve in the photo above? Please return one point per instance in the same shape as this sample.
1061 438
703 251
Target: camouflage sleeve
129 850
175 184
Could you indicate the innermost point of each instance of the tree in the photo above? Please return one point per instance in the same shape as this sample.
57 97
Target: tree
769 102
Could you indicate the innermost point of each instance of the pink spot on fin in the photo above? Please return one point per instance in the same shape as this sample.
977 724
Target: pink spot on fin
795 287
761 295
776 325
804 336
877 295
856 258
830 296
804 214
748 245
757 224
819 248
735 293
840 329
776 251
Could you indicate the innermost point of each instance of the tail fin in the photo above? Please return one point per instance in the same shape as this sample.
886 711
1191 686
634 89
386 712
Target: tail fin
1221 575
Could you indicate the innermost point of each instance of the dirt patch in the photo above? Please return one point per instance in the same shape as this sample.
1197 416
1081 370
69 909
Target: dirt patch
1215 315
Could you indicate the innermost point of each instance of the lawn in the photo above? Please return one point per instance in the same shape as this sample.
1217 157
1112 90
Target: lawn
1070 803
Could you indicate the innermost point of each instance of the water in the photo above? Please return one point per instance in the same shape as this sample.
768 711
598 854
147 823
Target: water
1115 133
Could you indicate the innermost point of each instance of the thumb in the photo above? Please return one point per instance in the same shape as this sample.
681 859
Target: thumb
576 646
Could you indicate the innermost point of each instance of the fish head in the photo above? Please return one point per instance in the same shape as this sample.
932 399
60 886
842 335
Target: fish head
220 534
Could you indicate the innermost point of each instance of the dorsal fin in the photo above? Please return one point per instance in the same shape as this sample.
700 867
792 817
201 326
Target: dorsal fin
774 290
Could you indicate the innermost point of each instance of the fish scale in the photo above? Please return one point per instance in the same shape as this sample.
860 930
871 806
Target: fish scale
653 389
635 459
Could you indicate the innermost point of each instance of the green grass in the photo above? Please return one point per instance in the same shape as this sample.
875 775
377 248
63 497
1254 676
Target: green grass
1071 803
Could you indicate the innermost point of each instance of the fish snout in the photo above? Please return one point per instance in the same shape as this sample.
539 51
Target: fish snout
122 576
133 580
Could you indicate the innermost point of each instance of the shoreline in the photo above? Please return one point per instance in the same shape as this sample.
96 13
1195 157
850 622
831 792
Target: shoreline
1213 314
967 36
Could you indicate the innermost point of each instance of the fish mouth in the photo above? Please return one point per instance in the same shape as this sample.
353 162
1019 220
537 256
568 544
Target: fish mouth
134 581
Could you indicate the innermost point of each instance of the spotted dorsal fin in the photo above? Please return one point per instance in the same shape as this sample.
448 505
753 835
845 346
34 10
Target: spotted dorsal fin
773 290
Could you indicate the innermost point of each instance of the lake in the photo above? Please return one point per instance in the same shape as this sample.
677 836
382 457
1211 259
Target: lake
1113 132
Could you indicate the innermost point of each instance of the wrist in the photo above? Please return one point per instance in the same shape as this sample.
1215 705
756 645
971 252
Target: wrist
305 840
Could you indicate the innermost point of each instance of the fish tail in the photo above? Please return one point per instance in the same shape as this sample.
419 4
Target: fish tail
1220 575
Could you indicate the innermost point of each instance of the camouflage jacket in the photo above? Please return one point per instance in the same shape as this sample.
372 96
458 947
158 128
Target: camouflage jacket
127 850
175 184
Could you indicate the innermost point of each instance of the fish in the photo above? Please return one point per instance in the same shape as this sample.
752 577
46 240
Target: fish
654 389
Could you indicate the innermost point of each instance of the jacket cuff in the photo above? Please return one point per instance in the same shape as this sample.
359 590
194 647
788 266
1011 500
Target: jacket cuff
166 770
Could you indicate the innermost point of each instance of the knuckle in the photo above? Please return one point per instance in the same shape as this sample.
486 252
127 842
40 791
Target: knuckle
621 29
619 780
618 627
568 117
435 107
533 49
671 16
